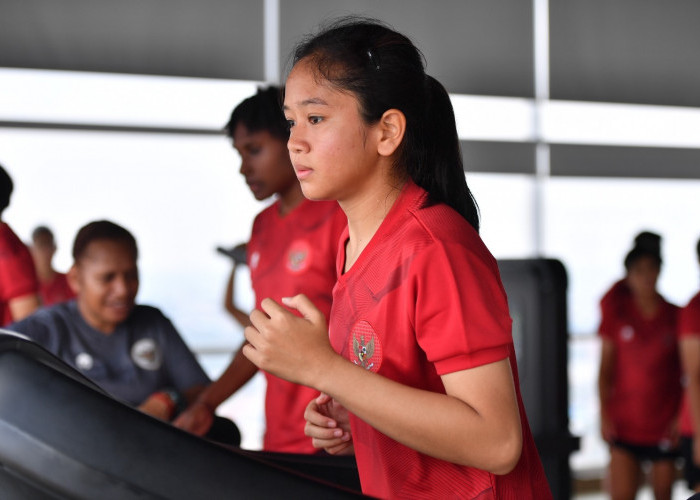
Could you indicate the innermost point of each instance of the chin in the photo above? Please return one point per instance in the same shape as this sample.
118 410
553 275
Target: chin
314 194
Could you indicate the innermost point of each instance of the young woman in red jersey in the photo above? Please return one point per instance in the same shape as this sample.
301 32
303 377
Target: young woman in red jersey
420 351
639 381
291 250
689 334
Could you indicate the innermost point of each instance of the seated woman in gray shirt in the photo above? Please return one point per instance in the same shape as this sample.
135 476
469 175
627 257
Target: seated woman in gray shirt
132 351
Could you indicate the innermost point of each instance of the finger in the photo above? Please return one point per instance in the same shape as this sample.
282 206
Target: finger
336 443
334 450
313 416
252 335
251 353
322 399
324 433
258 318
307 308
272 308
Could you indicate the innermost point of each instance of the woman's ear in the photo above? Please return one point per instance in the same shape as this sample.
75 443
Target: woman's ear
73 278
392 126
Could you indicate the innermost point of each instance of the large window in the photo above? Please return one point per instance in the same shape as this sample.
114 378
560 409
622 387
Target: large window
167 175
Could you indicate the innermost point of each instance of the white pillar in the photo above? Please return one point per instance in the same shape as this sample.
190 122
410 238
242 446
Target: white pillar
540 11
271 16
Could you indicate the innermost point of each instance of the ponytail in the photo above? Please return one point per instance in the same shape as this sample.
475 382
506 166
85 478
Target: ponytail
441 171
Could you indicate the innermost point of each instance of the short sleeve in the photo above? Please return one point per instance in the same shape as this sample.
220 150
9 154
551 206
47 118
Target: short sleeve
462 317
610 305
36 329
183 369
689 319
17 274
606 328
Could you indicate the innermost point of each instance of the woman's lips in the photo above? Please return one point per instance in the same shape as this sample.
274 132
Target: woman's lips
302 172
254 186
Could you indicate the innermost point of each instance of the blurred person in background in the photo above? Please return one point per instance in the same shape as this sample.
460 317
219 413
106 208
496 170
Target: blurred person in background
19 286
131 351
291 250
689 333
639 379
53 286
620 291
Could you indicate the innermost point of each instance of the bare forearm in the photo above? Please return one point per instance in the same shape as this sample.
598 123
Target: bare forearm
229 302
193 393
21 307
604 391
436 424
605 374
690 360
238 372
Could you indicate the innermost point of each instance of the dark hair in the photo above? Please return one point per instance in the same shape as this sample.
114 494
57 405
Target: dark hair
646 244
42 231
648 240
262 111
384 70
102 230
697 249
6 187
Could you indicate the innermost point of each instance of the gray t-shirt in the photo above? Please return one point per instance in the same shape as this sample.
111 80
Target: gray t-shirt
143 355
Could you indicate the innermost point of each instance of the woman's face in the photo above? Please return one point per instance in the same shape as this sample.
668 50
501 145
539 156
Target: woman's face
264 162
106 281
642 276
334 153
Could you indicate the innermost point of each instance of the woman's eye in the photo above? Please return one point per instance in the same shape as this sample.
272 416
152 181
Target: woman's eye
290 123
315 120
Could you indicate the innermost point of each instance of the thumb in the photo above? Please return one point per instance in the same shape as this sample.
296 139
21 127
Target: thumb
322 398
307 309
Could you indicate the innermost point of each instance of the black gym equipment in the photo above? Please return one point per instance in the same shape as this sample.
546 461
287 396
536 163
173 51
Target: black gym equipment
536 290
63 437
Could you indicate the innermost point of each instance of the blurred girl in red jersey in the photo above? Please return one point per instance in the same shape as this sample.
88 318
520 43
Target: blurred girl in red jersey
639 381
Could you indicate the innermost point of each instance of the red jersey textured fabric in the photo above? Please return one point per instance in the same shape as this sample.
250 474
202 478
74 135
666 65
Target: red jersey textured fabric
287 256
612 299
425 299
688 325
17 273
646 378
55 291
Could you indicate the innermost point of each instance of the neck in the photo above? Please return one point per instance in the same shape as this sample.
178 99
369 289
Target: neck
45 272
102 327
290 198
647 304
365 214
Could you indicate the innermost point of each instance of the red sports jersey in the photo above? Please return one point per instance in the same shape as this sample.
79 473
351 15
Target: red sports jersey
614 297
17 273
688 325
646 378
55 291
425 299
287 256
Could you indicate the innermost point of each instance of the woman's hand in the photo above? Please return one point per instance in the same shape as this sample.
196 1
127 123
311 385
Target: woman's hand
294 348
156 406
197 419
328 425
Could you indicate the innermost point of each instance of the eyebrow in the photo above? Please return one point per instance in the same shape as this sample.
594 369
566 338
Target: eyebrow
306 102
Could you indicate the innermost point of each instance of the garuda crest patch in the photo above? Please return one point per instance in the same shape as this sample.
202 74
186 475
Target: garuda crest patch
365 347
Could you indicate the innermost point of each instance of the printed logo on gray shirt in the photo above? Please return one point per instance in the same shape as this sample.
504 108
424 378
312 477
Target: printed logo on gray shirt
146 354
